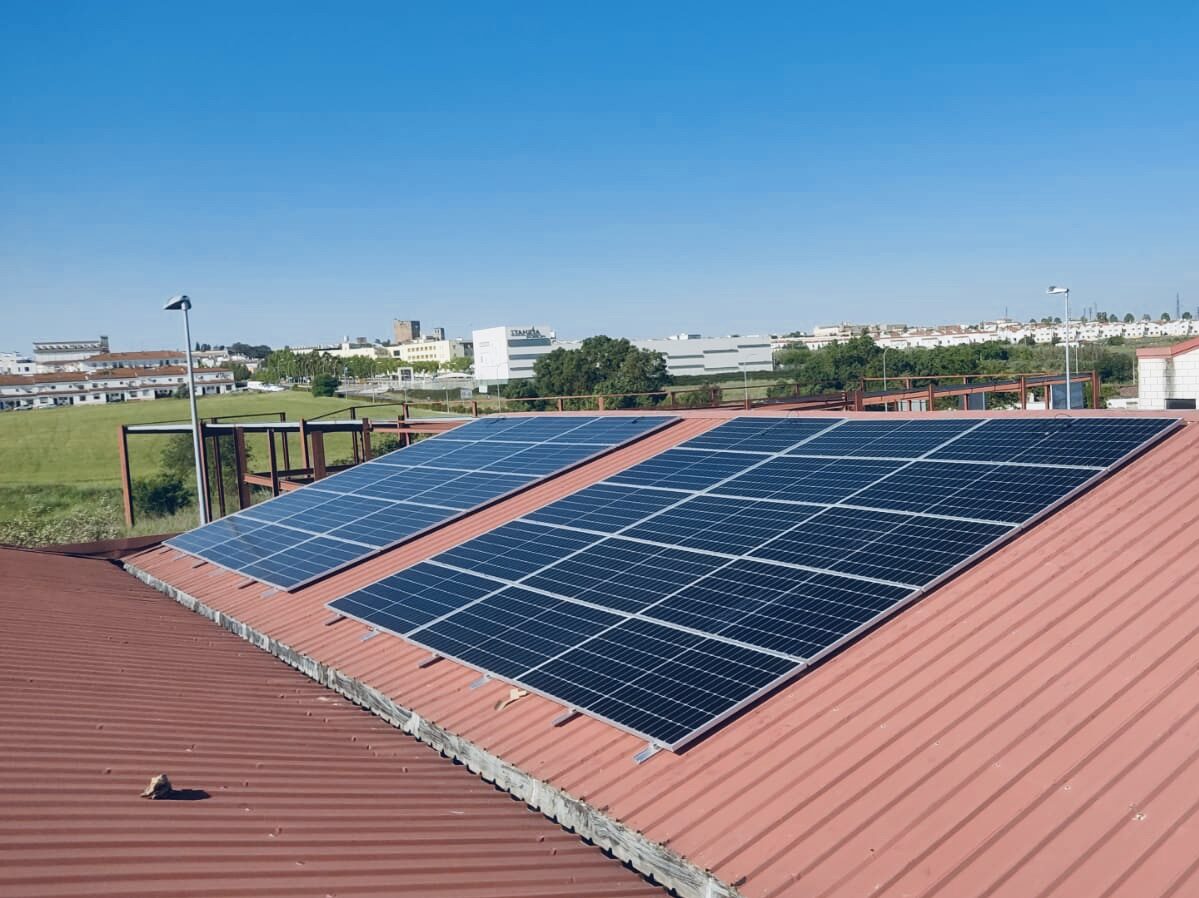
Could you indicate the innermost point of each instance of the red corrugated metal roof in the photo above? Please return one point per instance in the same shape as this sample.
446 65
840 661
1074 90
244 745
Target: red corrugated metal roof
1027 729
1173 349
107 683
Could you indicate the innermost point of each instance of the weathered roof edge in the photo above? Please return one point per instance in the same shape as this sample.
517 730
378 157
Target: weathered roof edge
656 861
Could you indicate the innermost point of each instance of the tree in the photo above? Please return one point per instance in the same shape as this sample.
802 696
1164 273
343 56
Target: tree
181 392
178 462
461 363
1128 318
253 352
161 495
325 385
1145 316
600 365
240 372
1186 315
1165 316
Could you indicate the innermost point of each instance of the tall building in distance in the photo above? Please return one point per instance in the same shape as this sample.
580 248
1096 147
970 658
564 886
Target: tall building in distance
405 331
438 333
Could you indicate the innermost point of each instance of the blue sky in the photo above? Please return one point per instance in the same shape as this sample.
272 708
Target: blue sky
306 171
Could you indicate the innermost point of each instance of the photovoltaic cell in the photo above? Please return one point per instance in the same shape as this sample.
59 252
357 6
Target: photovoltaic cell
359 511
672 594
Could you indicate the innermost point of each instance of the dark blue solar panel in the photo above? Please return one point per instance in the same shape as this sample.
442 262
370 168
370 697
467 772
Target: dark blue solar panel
721 525
1056 440
514 630
393 521
778 608
657 680
800 479
604 508
731 567
469 490
686 469
514 550
623 575
401 494
760 434
882 544
544 459
303 561
277 509
992 492
896 438
414 597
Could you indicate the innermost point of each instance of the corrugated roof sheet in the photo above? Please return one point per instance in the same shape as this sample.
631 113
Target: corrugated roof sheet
107 683
1028 729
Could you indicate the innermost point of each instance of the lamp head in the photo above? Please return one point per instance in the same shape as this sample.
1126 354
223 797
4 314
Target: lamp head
1053 290
178 302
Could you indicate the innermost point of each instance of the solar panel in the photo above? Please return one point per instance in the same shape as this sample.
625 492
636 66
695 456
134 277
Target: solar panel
310 532
669 596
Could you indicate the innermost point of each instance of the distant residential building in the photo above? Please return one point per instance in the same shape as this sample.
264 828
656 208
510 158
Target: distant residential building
1168 376
691 354
357 348
507 353
437 333
105 384
15 363
151 358
404 331
61 355
430 349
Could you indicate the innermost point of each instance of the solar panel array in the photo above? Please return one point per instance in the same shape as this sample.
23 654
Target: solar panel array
667 597
299 536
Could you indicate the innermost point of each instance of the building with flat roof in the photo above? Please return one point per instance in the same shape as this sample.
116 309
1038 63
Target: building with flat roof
431 349
691 354
403 331
52 389
508 352
57 355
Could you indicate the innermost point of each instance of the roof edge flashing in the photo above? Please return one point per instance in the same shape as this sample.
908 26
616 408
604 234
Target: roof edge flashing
657 862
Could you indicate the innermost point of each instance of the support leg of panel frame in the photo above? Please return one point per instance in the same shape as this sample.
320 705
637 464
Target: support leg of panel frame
335 619
564 718
370 635
482 681
651 749
429 660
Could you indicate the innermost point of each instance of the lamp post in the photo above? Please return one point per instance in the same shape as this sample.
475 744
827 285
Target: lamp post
1053 291
745 382
183 304
886 405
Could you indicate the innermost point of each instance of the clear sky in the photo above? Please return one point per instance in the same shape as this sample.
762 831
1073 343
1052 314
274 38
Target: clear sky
308 171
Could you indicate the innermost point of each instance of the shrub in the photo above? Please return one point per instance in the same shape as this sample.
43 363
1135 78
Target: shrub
325 385
161 495
36 527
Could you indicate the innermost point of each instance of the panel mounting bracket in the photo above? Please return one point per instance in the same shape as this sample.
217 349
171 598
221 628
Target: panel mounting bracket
335 619
429 660
268 593
249 581
565 717
200 563
370 634
482 681
651 749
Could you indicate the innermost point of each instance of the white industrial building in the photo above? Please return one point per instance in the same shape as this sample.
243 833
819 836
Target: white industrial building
1168 376
691 354
431 349
508 353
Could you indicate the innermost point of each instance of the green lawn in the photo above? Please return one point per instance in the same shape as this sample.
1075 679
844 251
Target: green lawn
77 446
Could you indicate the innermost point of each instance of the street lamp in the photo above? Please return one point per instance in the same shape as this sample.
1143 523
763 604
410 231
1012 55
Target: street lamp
1053 291
176 304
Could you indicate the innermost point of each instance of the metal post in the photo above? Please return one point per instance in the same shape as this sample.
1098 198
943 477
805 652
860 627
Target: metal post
239 457
885 403
270 448
1067 349
201 491
126 484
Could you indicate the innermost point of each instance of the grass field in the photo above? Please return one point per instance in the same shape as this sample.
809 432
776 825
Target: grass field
77 446
61 466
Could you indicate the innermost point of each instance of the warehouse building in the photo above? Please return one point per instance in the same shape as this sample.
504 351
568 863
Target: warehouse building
691 354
